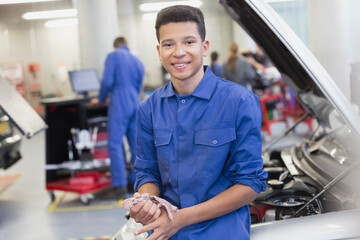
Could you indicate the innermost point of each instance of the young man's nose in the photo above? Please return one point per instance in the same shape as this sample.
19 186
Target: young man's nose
179 50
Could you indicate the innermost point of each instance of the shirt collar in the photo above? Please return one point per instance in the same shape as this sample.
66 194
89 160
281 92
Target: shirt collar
203 90
125 47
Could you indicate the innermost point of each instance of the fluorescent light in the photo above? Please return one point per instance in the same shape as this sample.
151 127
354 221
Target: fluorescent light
22 1
153 7
61 23
149 16
50 14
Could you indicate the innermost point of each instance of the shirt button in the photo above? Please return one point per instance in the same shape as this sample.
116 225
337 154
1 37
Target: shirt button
214 142
183 101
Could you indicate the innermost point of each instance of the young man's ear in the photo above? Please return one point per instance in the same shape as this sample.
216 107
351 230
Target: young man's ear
206 46
158 50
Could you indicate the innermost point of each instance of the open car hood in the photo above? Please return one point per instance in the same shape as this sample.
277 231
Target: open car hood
28 122
312 85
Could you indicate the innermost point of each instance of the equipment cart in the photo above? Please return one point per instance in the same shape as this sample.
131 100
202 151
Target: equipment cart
76 147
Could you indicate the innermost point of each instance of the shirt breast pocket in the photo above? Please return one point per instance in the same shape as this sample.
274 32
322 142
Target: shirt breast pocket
162 140
212 149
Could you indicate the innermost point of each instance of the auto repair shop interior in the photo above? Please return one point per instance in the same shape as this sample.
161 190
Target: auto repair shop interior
55 164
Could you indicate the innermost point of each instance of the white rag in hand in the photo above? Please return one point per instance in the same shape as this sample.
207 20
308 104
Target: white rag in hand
161 203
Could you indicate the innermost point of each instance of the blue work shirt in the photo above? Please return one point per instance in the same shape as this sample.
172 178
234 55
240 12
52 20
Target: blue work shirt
195 147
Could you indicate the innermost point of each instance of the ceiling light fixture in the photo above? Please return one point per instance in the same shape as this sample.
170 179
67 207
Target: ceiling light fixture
61 23
153 7
22 1
50 14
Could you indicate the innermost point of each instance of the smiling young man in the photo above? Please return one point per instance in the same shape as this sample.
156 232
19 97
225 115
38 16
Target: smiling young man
198 141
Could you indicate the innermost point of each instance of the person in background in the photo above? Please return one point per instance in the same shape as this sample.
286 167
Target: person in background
237 69
198 141
122 82
258 60
215 66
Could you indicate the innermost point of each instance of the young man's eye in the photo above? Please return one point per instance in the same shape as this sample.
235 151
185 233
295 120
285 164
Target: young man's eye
167 45
189 42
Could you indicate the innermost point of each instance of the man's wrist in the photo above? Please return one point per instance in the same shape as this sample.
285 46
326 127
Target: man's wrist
181 218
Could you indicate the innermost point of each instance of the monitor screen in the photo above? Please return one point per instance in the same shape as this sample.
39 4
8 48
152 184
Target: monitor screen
83 81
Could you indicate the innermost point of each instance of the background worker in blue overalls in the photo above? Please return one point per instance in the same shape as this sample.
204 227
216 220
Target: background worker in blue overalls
122 80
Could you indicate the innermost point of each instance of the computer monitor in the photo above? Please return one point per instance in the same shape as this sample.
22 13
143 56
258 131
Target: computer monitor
83 81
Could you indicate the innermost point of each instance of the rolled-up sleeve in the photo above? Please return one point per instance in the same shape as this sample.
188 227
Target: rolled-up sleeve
245 165
146 164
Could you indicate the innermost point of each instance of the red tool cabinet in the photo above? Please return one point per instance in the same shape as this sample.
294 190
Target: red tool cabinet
278 104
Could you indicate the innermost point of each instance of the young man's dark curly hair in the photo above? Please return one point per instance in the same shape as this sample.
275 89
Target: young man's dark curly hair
181 13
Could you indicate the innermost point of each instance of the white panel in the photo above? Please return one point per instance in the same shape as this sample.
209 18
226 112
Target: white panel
98 27
329 39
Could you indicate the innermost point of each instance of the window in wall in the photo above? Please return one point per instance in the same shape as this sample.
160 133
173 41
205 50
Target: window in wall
295 14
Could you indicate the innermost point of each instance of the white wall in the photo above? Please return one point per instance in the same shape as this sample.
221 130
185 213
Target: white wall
295 14
98 27
30 42
353 21
329 34
354 48
59 48
219 27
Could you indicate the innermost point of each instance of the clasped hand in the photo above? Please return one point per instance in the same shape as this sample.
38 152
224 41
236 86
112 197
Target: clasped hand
154 219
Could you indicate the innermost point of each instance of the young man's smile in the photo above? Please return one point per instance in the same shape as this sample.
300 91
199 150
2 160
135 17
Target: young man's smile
180 66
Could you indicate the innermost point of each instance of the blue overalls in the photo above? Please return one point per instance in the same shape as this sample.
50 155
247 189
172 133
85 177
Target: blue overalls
123 77
196 146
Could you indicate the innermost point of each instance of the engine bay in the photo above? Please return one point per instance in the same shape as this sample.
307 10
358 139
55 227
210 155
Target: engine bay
295 191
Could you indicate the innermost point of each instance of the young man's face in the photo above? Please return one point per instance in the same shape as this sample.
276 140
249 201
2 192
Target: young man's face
181 51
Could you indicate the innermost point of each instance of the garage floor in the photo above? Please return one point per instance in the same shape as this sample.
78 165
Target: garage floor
24 205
